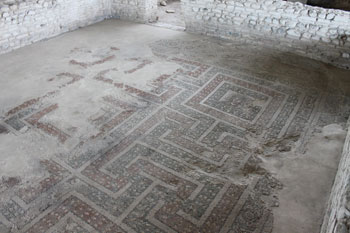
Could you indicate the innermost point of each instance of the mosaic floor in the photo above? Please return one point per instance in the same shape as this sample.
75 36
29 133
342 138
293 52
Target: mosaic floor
152 140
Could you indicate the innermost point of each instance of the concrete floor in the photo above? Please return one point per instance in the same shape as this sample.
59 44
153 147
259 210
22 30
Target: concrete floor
122 127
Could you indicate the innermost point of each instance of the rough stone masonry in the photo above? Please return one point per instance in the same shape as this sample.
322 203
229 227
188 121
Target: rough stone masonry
323 34
23 22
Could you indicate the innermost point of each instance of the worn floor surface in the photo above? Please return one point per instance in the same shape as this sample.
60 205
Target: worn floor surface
122 127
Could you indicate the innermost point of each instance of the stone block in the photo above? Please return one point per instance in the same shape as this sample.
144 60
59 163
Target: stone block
293 33
5 15
342 19
330 16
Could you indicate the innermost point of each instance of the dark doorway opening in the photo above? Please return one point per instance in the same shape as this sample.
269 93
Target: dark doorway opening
333 4
330 4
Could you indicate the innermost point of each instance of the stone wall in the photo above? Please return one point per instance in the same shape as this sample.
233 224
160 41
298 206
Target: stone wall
337 217
23 22
26 21
323 34
135 10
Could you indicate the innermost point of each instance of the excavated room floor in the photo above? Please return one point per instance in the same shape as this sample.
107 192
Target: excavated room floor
122 127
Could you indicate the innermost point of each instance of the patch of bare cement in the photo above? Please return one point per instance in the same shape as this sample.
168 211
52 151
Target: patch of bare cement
307 180
20 155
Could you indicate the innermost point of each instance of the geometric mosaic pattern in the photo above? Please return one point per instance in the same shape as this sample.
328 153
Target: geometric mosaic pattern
157 165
